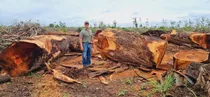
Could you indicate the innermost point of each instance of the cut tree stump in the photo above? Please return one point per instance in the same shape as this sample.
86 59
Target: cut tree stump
183 59
131 48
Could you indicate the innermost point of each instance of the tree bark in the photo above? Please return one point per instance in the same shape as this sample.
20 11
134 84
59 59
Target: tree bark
131 48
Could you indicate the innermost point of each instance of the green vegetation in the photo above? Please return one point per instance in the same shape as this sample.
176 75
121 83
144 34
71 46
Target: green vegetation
84 85
128 82
65 95
158 87
122 93
196 25
34 75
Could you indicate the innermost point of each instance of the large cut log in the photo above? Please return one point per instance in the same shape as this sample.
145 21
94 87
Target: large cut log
26 55
131 48
192 39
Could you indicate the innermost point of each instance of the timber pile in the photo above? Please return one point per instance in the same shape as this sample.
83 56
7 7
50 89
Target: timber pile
151 53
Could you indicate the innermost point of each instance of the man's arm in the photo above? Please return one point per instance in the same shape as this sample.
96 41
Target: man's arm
80 40
92 37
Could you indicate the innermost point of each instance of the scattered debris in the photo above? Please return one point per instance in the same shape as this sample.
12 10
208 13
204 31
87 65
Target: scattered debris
98 73
103 80
62 77
203 80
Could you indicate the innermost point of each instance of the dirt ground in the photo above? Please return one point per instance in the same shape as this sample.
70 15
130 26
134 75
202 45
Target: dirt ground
42 84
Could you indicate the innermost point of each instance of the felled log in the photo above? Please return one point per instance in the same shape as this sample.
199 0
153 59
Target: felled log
26 55
131 48
192 39
154 33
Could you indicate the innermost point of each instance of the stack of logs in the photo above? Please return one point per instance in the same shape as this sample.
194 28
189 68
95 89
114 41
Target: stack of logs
152 50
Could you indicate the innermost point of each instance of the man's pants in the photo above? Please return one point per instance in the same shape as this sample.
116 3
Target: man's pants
86 54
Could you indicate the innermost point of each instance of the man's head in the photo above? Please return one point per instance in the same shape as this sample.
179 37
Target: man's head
86 24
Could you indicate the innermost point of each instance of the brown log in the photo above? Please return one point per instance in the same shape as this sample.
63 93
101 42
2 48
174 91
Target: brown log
26 55
131 48
192 39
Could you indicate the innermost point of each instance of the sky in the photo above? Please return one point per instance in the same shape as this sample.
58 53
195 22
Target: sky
75 12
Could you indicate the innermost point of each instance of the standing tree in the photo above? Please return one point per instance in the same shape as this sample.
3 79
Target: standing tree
140 25
62 24
95 25
114 24
135 22
51 25
102 25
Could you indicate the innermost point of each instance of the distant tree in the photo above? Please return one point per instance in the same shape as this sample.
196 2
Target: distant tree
62 24
95 25
114 24
147 23
173 24
51 25
140 25
102 25
135 22
57 26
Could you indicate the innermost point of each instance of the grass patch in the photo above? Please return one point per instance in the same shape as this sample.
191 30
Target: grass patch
32 74
128 82
84 85
157 87
65 95
122 93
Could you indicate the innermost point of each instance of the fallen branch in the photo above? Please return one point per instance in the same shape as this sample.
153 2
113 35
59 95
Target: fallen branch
62 77
140 76
186 77
191 91
98 73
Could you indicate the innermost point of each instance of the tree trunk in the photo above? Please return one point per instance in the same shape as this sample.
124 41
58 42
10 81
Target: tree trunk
26 55
131 48
193 39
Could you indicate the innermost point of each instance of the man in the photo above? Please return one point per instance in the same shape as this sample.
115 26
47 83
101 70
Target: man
86 41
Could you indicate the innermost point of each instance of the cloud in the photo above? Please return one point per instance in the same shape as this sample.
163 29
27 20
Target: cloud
75 12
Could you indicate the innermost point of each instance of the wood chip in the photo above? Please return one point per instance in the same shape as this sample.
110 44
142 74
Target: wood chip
103 80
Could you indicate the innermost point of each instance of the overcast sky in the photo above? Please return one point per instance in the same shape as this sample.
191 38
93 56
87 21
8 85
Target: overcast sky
75 12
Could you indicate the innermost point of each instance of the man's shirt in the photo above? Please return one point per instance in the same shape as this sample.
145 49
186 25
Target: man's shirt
86 35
